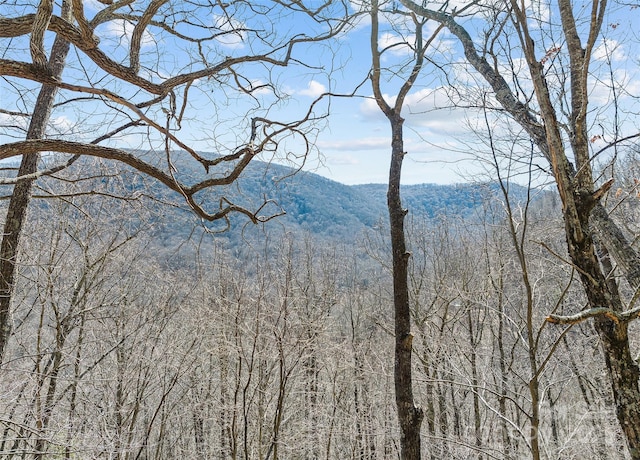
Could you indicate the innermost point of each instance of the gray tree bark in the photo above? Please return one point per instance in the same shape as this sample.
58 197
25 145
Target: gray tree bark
580 199
21 196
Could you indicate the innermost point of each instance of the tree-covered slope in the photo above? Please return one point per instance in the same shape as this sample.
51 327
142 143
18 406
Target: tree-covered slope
304 201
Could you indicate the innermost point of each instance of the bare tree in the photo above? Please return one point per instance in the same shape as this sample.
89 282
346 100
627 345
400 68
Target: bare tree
560 131
410 415
145 71
65 288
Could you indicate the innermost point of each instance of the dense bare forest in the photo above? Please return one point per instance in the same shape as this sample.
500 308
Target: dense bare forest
283 349
157 302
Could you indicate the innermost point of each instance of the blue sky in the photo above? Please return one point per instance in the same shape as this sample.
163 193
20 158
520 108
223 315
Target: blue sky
353 143
441 143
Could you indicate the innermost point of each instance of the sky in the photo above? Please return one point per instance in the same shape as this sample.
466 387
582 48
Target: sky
356 147
441 144
353 143
440 141
356 144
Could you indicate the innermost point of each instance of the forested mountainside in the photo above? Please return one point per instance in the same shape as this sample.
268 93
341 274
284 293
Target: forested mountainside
303 202
325 207
157 302
137 333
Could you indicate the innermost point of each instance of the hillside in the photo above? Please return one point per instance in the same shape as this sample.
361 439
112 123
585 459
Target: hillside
326 208
312 204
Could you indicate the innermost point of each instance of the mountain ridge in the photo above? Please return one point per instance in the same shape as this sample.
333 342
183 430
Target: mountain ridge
311 203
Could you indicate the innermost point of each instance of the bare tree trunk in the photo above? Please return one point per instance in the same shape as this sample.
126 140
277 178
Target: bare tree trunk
477 422
429 391
409 415
21 196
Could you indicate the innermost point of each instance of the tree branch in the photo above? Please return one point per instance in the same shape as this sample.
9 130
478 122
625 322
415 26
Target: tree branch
623 317
40 25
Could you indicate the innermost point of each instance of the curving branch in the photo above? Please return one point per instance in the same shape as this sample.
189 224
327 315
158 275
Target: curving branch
57 168
617 317
39 27
32 72
77 6
32 146
138 30
14 27
246 154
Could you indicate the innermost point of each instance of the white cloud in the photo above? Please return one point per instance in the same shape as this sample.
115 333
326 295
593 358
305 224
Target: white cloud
7 120
122 29
599 92
367 143
429 108
344 159
627 85
61 124
403 46
16 126
629 82
260 87
314 89
609 49
395 44
427 99
233 37
539 13
369 108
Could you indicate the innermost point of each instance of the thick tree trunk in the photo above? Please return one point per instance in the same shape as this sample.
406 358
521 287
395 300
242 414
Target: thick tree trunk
21 196
580 200
9 248
622 369
624 375
410 416
617 245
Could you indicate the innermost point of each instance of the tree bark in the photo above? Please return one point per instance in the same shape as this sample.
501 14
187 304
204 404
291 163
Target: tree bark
575 185
624 375
21 196
409 415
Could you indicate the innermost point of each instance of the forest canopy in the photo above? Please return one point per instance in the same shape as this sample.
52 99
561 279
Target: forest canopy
176 282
